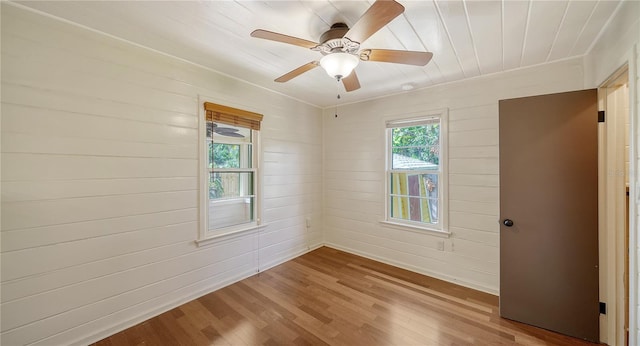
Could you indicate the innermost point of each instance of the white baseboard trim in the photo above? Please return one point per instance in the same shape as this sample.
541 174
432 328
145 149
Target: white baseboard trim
174 299
441 276
170 301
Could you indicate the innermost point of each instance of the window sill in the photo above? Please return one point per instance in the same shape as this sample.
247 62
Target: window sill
229 235
230 201
410 228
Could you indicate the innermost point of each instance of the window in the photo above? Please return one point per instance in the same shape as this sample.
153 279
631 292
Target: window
231 176
416 178
231 202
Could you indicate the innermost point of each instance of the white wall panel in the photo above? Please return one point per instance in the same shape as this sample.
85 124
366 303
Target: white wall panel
20 166
15 289
52 100
33 120
473 138
18 191
100 179
473 166
480 151
477 236
354 174
51 234
487 208
474 180
474 193
38 330
469 220
29 214
48 258
473 124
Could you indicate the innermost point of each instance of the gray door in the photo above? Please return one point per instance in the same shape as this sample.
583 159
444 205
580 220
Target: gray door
549 212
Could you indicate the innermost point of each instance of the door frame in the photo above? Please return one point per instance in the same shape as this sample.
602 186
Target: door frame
612 214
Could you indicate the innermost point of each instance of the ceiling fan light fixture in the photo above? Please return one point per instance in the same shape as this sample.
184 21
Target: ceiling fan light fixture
339 65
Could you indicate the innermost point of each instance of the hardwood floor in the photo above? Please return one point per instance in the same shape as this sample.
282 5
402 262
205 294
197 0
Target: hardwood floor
332 297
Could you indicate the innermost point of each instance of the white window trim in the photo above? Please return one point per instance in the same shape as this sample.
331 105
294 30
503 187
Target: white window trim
220 237
206 236
418 118
231 200
416 229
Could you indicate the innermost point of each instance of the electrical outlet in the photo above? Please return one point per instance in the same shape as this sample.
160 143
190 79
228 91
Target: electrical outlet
440 245
308 222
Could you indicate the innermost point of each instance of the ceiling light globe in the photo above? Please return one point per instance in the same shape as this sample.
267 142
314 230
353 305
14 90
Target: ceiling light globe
339 65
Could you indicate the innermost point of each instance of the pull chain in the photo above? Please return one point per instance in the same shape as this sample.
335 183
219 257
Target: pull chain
337 99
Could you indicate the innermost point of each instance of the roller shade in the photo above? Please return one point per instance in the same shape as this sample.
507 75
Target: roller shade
232 116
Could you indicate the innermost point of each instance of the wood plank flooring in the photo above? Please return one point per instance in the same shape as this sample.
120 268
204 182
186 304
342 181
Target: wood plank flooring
329 297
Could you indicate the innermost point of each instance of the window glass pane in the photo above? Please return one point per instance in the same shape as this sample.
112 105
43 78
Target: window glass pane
229 146
225 155
231 189
416 147
231 212
415 158
220 131
414 197
230 184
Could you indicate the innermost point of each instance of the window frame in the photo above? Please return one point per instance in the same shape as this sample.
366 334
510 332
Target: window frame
205 235
243 161
422 118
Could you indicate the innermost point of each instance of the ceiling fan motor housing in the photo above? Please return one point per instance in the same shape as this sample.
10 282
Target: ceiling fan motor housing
333 40
337 30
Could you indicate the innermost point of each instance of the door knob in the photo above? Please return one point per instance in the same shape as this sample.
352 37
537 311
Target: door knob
507 222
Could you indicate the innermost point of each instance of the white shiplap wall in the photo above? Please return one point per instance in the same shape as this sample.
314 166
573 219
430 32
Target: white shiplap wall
100 177
354 173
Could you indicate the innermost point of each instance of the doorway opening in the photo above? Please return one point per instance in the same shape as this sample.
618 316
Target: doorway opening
614 161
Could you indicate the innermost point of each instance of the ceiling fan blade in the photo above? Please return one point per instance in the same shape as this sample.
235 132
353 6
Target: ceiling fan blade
377 16
274 36
396 56
231 134
351 82
225 129
295 73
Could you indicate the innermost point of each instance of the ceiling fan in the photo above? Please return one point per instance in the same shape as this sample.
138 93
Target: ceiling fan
340 46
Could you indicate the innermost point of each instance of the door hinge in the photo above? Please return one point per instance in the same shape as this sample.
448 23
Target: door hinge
603 308
600 116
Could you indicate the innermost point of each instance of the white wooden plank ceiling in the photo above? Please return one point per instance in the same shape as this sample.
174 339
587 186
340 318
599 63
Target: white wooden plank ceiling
468 38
